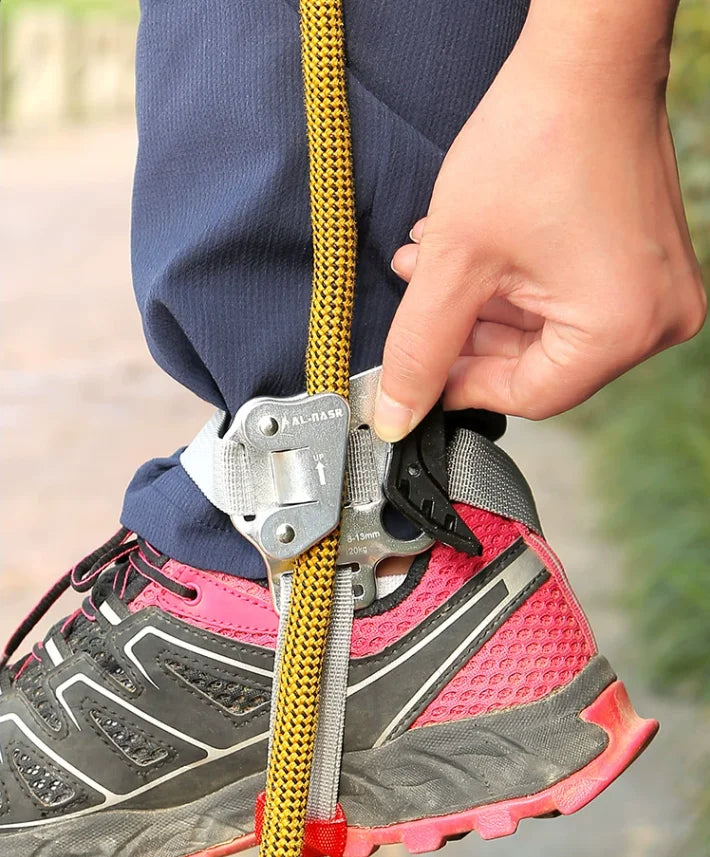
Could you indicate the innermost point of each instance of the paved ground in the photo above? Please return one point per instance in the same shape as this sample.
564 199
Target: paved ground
82 406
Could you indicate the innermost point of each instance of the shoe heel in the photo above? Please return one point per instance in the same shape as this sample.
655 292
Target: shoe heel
628 734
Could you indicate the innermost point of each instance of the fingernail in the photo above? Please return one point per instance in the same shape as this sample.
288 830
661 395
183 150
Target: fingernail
392 420
393 268
415 233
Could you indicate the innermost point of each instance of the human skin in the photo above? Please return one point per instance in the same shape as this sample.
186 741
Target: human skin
555 254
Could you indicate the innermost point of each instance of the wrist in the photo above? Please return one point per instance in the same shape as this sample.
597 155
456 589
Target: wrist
623 47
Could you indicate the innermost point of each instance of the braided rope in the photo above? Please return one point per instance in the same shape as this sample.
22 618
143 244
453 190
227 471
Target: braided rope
327 369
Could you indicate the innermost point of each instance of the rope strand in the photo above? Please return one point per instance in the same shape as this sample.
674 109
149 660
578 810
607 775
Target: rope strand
327 369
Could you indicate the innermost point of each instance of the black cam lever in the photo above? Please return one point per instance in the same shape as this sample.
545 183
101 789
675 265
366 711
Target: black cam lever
417 483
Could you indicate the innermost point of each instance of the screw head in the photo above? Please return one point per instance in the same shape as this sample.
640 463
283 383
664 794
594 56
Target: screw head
414 470
268 426
285 533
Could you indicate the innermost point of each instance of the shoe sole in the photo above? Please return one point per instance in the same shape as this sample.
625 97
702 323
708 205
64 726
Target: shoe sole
612 711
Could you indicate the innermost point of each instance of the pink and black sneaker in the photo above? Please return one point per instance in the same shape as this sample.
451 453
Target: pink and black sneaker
476 698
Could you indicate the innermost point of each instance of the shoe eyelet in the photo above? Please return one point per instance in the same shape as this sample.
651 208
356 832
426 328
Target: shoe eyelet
196 598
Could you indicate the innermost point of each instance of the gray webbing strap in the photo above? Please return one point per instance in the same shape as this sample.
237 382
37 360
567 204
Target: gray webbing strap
220 468
480 473
325 777
363 483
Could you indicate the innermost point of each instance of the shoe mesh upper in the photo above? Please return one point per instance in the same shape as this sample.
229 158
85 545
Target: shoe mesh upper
236 697
42 779
129 739
31 683
89 637
540 648
447 571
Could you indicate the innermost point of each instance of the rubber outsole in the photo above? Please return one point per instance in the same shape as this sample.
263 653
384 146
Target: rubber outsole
612 711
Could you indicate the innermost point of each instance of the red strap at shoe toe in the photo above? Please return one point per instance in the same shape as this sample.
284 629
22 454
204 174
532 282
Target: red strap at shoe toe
323 838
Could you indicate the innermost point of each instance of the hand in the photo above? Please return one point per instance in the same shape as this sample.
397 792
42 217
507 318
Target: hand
555 254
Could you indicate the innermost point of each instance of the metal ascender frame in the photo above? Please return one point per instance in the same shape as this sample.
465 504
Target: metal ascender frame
299 462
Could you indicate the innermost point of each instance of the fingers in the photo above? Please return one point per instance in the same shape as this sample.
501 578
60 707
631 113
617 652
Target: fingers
405 258
404 261
528 385
488 352
497 309
433 322
481 382
503 311
489 339
417 231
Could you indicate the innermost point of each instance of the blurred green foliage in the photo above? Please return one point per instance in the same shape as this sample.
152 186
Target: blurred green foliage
651 428
650 436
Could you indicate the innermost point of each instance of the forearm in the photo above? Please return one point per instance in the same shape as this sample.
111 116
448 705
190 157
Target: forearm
623 43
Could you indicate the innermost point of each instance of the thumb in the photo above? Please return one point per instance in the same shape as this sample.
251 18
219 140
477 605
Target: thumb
434 319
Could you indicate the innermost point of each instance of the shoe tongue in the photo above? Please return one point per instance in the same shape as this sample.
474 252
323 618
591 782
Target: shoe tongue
121 579
27 675
88 637
79 631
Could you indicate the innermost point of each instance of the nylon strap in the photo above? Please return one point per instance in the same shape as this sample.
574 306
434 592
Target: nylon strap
327 370
323 790
221 470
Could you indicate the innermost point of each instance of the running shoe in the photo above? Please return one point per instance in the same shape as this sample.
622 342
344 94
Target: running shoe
477 697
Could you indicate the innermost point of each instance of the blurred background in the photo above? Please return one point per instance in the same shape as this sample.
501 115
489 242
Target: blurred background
623 483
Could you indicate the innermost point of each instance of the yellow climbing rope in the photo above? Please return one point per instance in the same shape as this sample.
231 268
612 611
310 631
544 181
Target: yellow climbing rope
327 370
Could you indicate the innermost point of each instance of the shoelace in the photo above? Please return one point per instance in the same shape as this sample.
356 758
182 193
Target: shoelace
110 568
